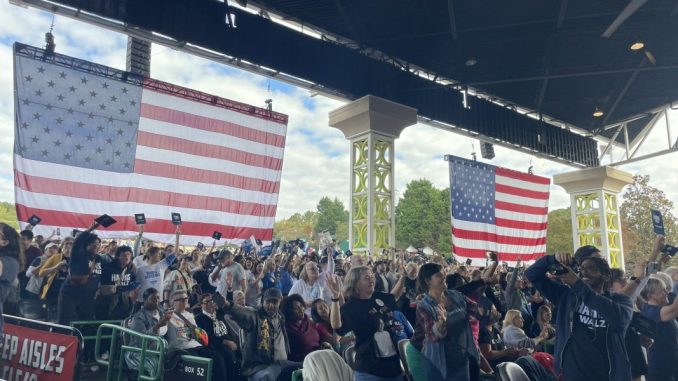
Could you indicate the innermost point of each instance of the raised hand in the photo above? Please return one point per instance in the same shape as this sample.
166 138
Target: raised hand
332 284
564 258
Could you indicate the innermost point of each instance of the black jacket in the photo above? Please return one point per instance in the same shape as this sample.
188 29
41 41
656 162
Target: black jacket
617 309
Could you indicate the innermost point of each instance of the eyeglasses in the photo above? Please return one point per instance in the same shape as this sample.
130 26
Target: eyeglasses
207 301
181 300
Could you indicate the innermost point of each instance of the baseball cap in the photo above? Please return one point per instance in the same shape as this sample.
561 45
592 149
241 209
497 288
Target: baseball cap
273 293
51 244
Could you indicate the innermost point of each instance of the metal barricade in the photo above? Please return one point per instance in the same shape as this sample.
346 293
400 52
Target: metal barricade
149 347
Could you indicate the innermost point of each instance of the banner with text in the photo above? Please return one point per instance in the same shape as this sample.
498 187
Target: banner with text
34 355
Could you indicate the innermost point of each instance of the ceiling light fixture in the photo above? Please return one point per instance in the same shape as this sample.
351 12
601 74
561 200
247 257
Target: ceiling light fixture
598 113
471 61
637 45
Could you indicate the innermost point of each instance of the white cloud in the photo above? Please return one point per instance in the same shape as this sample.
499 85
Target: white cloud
317 156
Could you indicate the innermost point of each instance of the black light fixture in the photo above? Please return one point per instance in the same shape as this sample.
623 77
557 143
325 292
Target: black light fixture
597 113
50 45
487 150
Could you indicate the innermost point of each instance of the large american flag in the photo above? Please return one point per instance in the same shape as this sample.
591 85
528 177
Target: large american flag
91 140
497 209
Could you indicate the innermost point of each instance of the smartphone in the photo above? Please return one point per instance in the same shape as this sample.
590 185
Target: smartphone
651 268
58 232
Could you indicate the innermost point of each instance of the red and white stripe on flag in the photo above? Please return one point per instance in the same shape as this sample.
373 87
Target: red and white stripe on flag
215 161
497 209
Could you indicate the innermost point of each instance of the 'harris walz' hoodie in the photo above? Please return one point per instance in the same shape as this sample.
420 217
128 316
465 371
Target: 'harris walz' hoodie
617 309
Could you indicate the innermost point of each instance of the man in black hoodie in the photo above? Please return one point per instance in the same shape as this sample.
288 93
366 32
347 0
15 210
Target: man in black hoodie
591 322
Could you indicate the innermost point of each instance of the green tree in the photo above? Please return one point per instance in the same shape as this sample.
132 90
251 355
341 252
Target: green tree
423 217
332 217
296 226
638 236
8 214
559 233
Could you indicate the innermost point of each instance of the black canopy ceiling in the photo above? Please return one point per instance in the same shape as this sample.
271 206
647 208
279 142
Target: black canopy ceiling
548 56
545 55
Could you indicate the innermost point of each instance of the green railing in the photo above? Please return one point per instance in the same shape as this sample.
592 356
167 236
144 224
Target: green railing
149 347
149 353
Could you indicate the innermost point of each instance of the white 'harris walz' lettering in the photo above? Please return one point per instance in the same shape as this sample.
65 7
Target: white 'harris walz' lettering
590 317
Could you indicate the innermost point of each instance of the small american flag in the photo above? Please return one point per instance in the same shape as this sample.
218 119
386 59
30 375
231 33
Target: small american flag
91 140
497 209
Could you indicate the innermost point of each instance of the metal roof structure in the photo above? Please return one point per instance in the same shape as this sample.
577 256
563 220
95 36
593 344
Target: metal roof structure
527 74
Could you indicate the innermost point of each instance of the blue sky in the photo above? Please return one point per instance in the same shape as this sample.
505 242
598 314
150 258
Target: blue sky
316 160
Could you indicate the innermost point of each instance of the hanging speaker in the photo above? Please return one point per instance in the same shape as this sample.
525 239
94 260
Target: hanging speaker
487 150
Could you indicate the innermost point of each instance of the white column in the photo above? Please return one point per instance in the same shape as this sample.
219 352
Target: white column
594 204
372 124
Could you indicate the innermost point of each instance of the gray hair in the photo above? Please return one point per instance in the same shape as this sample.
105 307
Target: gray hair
665 278
653 286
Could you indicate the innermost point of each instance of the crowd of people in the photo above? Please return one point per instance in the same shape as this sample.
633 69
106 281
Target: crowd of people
335 315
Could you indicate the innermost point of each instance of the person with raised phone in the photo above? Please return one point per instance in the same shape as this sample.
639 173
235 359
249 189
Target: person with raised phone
591 321
152 275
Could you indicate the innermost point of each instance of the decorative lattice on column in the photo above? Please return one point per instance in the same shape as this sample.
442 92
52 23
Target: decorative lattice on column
596 217
614 244
371 124
382 197
588 219
359 193
595 209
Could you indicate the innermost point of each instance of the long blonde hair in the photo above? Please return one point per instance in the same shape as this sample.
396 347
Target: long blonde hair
351 281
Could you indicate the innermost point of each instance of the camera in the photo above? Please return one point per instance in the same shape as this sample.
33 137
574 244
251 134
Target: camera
557 269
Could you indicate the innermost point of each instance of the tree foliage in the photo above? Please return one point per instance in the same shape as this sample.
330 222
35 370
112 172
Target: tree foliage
559 233
423 217
332 217
296 226
637 233
8 214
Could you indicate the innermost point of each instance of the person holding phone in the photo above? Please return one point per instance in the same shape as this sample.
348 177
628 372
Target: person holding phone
591 320
149 320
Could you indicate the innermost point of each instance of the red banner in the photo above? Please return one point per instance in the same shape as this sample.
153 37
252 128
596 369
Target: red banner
33 355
